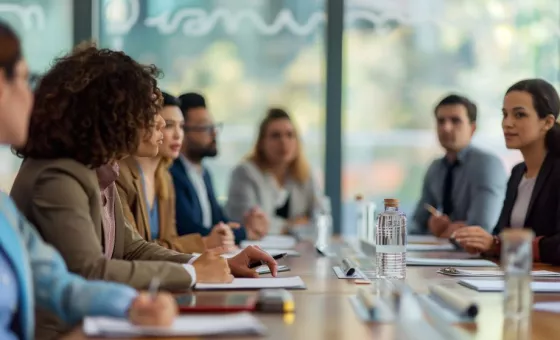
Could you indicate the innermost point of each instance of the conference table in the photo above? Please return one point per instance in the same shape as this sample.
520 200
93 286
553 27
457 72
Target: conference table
323 310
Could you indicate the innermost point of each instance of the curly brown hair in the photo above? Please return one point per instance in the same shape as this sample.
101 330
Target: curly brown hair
92 106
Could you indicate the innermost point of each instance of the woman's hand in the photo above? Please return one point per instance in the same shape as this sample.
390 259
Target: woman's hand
474 239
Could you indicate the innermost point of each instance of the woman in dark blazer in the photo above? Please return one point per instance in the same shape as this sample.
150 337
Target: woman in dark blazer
530 110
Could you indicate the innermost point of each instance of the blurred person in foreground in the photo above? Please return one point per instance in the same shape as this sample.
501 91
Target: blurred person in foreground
33 273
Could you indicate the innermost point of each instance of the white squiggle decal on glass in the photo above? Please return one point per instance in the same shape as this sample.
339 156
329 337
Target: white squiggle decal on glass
199 23
32 17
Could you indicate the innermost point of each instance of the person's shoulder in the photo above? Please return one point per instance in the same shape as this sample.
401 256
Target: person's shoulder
64 169
481 155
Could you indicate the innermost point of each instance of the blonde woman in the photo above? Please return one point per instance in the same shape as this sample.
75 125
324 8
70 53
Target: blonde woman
275 177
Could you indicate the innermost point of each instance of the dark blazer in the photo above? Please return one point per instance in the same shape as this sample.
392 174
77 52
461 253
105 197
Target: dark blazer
543 215
188 209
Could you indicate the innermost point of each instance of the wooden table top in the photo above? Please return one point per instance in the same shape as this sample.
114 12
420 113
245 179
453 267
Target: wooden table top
323 311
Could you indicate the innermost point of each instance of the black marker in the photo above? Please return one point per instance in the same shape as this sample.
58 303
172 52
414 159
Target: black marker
260 263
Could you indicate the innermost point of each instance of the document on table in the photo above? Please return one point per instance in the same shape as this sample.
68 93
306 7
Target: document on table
272 252
430 247
418 261
549 306
293 282
423 239
272 242
498 286
491 273
342 275
184 325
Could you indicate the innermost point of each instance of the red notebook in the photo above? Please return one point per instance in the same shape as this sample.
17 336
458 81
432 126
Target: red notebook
216 303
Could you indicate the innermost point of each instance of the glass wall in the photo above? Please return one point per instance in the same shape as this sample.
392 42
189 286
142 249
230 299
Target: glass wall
401 57
242 55
45 27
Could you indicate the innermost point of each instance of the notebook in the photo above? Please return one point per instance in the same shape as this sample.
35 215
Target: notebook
430 247
491 273
342 275
418 261
272 242
498 286
293 282
184 325
272 252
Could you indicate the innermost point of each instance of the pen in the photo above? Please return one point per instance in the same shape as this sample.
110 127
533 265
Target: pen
432 210
154 287
349 268
260 263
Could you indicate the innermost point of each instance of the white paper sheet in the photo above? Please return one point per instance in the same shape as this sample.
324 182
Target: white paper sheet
265 282
272 242
495 273
341 275
418 261
498 286
549 306
265 270
272 252
430 247
184 325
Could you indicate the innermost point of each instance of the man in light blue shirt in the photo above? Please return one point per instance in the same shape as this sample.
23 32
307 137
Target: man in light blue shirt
467 185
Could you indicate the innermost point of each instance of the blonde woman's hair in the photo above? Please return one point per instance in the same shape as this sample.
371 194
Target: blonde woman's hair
299 168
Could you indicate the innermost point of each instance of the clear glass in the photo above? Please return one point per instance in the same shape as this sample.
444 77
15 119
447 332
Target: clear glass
517 263
390 244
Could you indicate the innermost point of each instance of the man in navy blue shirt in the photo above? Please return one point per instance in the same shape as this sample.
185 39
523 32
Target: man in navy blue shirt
198 210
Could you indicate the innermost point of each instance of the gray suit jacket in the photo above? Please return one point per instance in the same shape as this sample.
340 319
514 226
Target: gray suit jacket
250 187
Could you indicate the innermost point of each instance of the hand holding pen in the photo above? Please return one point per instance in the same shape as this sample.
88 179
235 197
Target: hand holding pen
153 308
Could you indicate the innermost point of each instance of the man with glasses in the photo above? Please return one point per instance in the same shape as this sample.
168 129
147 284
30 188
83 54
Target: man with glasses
197 208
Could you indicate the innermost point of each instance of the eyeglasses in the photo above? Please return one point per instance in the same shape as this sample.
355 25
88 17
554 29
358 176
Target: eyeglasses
205 128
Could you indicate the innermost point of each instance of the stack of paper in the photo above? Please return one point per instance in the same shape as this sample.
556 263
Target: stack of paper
294 282
272 242
416 261
423 239
493 273
184 325
430 247
498 286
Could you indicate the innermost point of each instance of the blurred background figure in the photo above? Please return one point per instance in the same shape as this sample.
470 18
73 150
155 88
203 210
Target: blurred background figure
198 210
275 177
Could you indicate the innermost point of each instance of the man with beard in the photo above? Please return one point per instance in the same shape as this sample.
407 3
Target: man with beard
467 185
197 208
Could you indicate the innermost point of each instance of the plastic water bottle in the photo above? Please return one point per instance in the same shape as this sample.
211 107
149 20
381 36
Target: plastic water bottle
390 241
323 223
360 218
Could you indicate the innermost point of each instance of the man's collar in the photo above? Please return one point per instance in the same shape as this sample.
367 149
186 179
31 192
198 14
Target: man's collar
107 174
190 165
461 156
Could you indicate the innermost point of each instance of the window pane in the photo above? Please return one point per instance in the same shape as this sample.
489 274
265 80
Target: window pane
401 57
45 27
243 55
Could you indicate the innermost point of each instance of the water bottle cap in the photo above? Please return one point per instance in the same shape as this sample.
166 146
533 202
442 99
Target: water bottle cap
391 202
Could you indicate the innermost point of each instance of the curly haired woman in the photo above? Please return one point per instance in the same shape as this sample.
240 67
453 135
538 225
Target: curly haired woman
94 107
